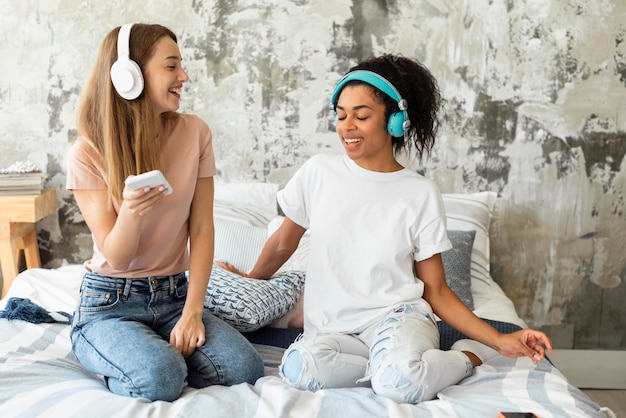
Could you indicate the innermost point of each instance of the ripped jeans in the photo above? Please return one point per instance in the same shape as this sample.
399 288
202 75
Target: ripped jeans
399 358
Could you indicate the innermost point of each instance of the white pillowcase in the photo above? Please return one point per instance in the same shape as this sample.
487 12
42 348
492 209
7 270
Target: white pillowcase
237 243
472 211
256 194
241 213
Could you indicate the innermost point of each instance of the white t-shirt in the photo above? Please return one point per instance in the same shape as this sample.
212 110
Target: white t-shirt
367 228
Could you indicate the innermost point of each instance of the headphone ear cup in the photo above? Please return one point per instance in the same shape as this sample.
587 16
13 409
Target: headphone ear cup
336 118
395 126
127 78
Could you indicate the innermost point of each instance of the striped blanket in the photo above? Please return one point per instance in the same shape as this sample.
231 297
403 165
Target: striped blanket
40 377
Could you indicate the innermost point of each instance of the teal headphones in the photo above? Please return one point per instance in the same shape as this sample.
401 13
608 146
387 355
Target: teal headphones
398 121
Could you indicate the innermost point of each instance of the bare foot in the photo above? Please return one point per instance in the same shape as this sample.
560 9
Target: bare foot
473 358
296 322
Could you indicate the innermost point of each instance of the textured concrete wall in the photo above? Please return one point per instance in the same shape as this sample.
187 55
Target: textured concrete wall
535 110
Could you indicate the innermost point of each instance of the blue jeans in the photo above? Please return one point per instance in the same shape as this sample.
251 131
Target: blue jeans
121 330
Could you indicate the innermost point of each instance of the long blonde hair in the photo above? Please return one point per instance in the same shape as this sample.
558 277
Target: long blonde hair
125 132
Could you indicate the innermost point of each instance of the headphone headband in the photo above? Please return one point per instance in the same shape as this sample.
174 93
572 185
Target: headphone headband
123 41
369 77
398 121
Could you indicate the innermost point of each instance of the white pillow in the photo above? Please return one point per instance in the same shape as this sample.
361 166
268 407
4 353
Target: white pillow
249 304
237 243
242 213
240 233
258 195
467 212
240 226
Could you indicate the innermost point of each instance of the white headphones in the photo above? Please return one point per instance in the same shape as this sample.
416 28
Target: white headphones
125 73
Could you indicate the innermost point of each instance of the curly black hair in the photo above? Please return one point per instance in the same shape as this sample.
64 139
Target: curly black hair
419 88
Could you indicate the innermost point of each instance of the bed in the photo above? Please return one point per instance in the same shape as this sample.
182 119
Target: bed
39 376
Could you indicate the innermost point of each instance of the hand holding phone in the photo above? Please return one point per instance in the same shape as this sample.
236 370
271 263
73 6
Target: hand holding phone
149 179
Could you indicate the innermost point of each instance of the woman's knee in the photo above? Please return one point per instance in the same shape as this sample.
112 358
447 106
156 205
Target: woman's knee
247 369
162 379
328 361
295 370
393 383
146 367
302 367
397 373
413 379
237 362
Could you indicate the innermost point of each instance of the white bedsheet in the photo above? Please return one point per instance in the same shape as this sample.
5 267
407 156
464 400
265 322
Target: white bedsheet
39 377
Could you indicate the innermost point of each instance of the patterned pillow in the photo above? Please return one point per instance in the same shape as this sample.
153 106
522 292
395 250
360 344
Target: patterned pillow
249 304
457 264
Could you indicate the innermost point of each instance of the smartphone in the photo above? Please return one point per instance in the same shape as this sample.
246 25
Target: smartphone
516 415
149 179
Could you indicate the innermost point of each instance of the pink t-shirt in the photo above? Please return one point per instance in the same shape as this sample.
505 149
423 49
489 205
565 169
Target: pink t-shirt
187 154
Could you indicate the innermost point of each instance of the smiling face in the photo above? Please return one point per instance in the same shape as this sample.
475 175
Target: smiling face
362 128
164 76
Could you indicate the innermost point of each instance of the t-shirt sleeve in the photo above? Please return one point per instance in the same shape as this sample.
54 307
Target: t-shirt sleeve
85 167
207 166
432 237
293 198
434 240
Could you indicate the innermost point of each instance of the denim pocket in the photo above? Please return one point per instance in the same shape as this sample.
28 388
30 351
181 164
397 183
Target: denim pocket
180 290
98 300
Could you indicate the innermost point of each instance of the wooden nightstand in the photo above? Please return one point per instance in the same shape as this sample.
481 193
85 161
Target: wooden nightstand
18 215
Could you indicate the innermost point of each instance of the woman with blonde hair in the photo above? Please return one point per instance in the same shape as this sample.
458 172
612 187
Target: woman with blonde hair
140 322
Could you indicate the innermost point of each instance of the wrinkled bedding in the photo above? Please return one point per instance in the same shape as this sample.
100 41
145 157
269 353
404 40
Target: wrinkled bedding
39 377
